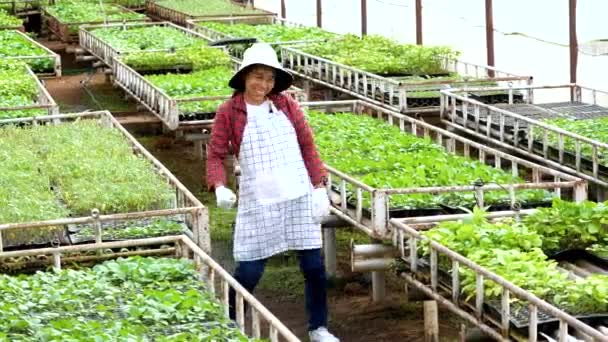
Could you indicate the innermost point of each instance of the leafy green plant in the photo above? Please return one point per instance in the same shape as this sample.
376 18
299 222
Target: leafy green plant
133 230
18 6
209 7
380 55
17 88
146 38
135 299
516 251
71 169
568 225
384 157
75 12
13 44
270 33
211 82
195 58
7 20
600 249
595 129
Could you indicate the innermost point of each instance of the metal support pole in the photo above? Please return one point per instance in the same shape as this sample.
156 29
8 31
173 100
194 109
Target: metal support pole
378 286
363 17
329 251
490 36
573 46
283 10
419 22
319 14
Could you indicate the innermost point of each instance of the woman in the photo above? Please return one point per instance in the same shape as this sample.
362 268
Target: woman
282 194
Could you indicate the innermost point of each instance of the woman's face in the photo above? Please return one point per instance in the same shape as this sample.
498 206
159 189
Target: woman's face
259 81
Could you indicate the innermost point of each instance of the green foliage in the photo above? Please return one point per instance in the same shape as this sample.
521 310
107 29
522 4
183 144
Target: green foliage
146 38
380 55
208 7
568 225
211 82
195 58
384 157
516 251
270 33
24 192
134 299
77 12
600 249
13 44
7 20
134 230
48 171
595 129
17 6
17 88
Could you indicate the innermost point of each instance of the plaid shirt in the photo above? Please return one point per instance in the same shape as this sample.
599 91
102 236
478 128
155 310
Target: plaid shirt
229 125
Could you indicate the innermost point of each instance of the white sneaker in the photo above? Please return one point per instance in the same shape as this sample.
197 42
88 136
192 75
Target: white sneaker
322 335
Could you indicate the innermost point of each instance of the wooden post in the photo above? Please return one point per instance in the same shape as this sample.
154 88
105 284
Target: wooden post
573 46
431 322
329 251
283 10
363 17
319 14
419 22
490 36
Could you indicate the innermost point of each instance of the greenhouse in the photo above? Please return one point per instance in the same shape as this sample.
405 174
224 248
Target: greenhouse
312 170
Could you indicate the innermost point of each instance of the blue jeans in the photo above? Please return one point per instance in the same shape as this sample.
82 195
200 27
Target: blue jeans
248 274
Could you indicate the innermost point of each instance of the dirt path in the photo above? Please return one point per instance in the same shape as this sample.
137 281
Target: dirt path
87 91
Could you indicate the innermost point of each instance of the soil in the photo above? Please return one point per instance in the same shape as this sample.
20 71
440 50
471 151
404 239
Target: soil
353 316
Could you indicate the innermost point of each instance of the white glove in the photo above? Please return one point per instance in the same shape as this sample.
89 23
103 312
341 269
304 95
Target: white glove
225 197
320 204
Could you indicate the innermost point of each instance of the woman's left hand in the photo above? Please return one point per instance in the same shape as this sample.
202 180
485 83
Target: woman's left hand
320 204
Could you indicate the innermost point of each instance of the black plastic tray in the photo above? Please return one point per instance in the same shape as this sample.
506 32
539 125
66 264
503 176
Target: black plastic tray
197 116
76 238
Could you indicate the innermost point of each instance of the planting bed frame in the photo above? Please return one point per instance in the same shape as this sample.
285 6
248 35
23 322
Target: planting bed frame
445 288
50 54
45 101
388 92
159 103
376 225
217 279
30 6
106 52
15 28
160 12
516 127
62 30
214 36
185 205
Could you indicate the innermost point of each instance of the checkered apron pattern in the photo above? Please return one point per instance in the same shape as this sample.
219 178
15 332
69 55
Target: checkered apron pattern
275 205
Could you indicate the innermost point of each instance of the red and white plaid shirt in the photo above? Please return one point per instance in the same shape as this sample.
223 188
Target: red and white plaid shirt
229 125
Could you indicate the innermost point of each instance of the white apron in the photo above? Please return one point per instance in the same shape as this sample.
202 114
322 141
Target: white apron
275 206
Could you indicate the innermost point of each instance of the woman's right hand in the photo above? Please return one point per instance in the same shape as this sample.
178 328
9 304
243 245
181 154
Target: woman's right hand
225 197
